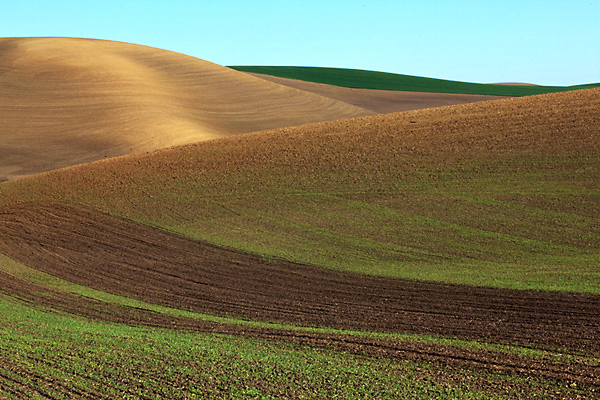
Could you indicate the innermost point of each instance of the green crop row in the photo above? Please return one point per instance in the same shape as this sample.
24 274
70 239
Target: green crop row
48 354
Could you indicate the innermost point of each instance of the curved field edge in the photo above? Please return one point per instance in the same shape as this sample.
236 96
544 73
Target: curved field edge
363 79
131 260
501 193
38 357
22 272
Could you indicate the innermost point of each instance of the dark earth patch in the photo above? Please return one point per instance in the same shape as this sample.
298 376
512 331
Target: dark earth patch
126 258
145 263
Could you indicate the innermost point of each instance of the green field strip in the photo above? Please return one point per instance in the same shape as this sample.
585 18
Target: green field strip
127 357
159 363
273 235
362 79
315 228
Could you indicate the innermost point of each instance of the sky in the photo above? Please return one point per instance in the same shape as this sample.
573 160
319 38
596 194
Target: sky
551 42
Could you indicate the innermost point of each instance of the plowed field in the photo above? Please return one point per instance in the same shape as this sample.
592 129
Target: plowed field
136 261
125 258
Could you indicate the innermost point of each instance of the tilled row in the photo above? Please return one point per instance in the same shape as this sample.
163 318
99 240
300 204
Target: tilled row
125 258
422 351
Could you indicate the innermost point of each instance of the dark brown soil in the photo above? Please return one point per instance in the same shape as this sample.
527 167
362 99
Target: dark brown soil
137 261
122 257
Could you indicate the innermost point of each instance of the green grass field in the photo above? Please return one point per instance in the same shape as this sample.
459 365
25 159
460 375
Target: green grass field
107 360
361 79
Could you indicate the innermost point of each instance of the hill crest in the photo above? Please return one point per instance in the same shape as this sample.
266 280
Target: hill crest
67 101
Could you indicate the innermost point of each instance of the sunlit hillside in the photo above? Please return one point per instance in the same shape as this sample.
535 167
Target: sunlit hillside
501 193
69 101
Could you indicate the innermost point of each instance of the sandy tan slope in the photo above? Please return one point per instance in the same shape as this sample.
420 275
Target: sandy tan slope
381 101
68 101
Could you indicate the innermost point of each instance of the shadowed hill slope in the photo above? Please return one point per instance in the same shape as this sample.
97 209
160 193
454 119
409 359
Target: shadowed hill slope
501 193
69 101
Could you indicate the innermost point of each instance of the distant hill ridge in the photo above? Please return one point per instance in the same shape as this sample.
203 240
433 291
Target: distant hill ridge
363 79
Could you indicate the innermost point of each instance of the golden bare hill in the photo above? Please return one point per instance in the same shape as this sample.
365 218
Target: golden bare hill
502 193
68 101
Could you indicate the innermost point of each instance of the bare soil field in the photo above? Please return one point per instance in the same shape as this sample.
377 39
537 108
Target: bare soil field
70 101
380 101
125 258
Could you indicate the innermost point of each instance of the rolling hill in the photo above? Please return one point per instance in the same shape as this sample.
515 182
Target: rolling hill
449 194
381 101
69 101
447 252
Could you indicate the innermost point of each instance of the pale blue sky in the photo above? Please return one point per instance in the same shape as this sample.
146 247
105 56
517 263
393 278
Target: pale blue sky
550 42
